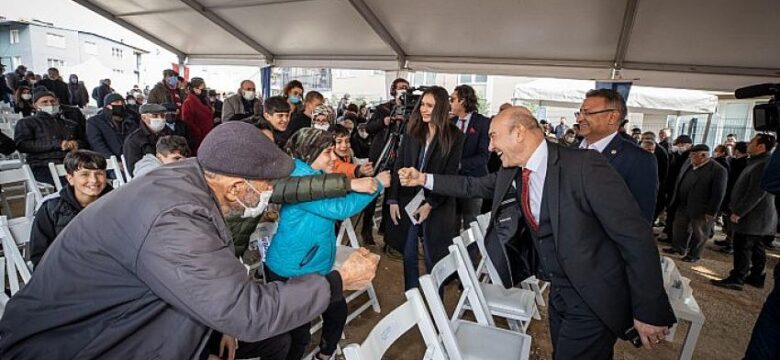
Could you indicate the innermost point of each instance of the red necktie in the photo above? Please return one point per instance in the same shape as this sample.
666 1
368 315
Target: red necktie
462 125
525 202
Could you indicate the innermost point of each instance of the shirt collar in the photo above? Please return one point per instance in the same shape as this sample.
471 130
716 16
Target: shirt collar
598 145
538 158
467 117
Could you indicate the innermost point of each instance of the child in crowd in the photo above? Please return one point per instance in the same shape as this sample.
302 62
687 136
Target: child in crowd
170 149
345 163
305 242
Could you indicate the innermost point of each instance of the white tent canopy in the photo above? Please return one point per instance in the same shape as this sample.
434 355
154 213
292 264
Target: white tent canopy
701 44
570 93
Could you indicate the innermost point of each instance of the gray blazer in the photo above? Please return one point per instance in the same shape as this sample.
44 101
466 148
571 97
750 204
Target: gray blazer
233 105
755 206
708 193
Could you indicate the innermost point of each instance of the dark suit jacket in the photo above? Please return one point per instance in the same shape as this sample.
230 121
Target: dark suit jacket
708 193
755 206
475 147
441 225
605 247
639 170
771 180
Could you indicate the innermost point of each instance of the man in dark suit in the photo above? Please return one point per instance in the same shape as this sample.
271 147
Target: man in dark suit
698 193
463 104
662 159
753 217
599 118
738 164
603 264
663 139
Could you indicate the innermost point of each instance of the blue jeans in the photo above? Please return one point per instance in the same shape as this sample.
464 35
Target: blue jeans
765 341
411 264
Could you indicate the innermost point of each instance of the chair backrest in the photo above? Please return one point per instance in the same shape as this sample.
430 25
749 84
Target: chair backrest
470 282
113 164
483 221
468 240
128 175
57 171
347 229
393 326
16 267
479 237
431 283
22 174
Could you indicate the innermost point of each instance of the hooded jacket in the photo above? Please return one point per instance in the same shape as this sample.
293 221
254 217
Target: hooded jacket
106 136
305 241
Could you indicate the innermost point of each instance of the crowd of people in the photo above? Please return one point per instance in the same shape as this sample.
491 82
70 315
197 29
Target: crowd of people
206 173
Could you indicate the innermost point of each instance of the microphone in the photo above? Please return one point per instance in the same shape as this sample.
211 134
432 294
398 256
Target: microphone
759 90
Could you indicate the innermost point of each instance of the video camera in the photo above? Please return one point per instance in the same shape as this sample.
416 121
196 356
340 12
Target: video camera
404 106
766 117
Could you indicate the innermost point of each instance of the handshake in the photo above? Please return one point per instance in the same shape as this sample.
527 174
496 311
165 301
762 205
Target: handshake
411 177
358 270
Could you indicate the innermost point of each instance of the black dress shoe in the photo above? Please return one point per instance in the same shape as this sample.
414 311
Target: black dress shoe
722 243
728 283
689 259
728 250
756 281
671 251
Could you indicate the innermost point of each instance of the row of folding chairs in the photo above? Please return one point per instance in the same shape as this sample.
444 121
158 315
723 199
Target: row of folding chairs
458 338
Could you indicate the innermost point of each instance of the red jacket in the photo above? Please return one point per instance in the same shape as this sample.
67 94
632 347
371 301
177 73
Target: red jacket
199 118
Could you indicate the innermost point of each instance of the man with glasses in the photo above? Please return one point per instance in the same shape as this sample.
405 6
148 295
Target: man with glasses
463 105
599 118
698 192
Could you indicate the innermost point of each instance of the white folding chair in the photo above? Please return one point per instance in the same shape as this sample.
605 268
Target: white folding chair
395 324
342 253
685 307
514 304
9 180
57 171
113 164
464 339
532 283
128 175
15 233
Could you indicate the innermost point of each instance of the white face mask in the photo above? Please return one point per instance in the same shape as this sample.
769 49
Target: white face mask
363 134
51 110
259 209
26 96
130 102
249 95
321 126
156 124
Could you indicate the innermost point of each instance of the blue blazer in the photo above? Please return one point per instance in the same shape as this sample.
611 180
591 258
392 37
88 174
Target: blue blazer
475 147
638 168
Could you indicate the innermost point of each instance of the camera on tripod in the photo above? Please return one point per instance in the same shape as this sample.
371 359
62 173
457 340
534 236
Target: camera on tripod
404 106
766 117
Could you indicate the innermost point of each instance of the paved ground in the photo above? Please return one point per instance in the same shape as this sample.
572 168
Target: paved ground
730 315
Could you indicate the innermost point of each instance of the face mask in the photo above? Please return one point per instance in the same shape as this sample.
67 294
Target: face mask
117 110
172 81
249 95
321 126
257 210
130 102
295 99
363 134
156 125
51 110
74 81
213 99
26 96
170 118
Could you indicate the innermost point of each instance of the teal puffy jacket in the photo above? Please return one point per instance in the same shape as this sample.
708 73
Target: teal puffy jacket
305 241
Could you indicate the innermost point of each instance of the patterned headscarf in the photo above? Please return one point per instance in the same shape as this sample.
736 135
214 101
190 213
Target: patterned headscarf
323 110
308 143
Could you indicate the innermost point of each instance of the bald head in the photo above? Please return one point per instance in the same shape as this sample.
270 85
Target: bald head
517 115
514 135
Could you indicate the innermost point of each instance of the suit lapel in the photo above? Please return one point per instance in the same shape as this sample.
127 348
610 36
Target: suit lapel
551 189
505 177
428 153
614 148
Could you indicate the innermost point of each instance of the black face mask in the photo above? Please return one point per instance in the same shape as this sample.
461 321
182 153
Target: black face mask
117 110
170 118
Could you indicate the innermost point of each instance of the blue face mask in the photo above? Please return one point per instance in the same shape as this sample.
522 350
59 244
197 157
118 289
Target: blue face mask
294 99
172 81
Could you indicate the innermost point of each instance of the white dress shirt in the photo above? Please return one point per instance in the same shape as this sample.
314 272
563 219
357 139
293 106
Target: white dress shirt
466 124
537 163
598 145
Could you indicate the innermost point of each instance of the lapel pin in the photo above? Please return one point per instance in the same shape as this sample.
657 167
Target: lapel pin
613 152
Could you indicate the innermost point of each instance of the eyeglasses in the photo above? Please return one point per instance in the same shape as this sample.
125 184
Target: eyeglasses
591 113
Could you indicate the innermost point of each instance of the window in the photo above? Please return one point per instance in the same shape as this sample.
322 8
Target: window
55 40
118 71
14 37
472 79
55 63
17 60
90 48
116 53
